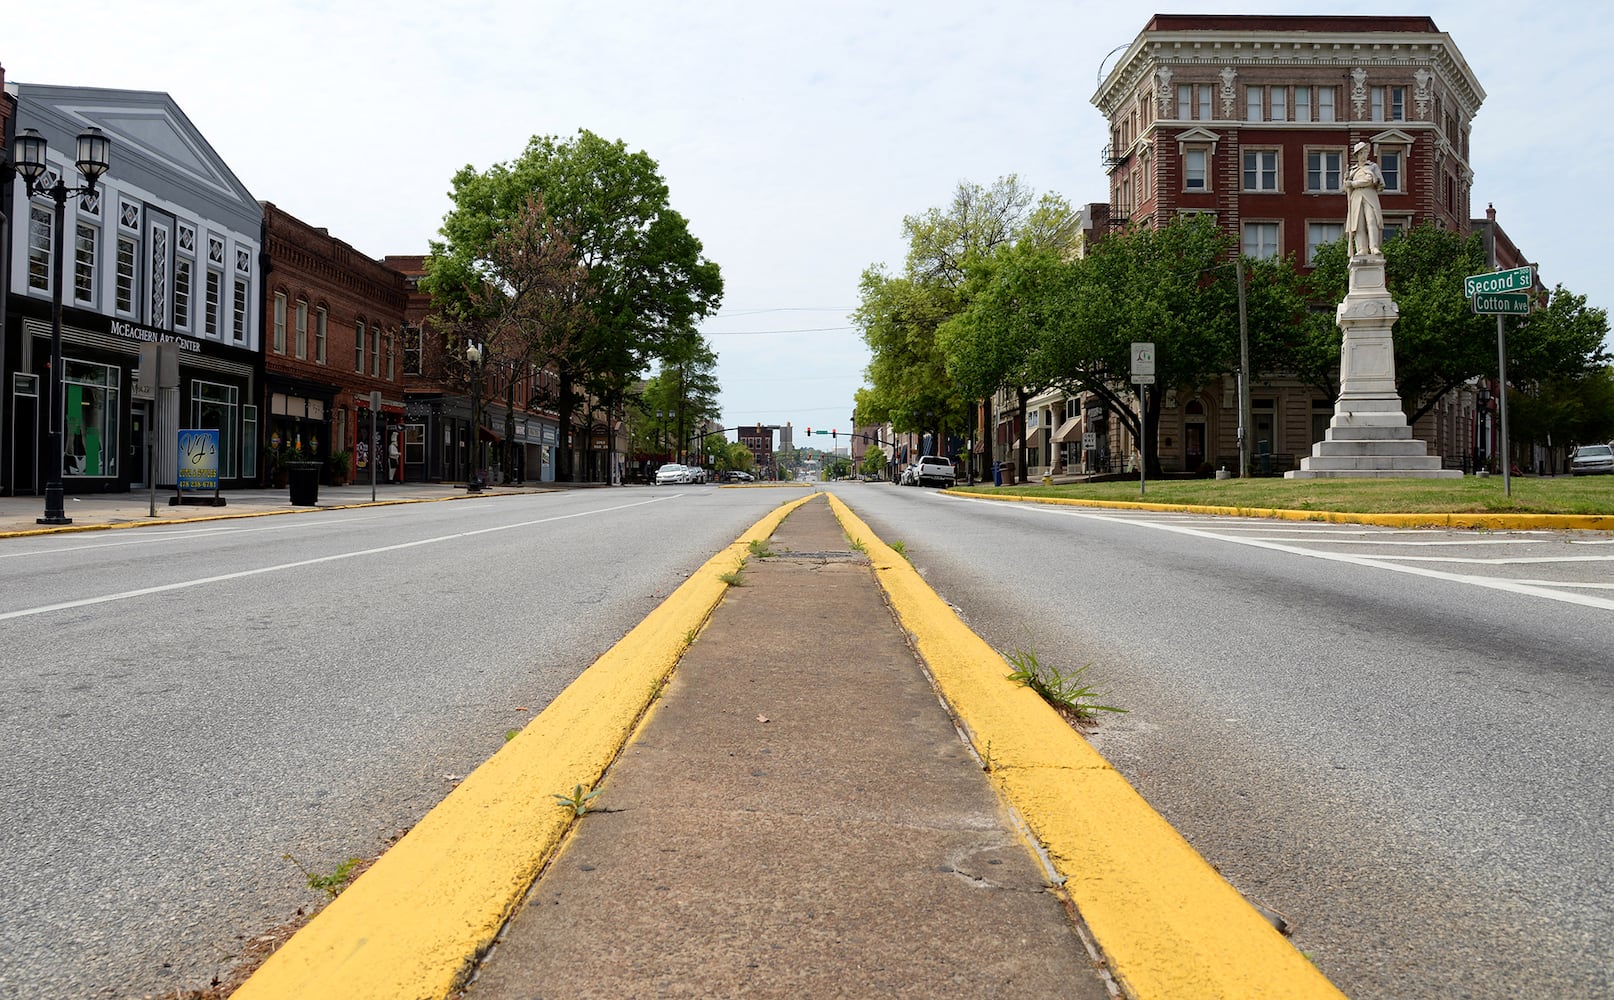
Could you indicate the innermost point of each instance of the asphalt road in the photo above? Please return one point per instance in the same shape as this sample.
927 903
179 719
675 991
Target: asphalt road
183 706
1397 739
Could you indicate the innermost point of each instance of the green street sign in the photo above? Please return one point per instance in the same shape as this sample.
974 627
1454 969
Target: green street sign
1515 280
1502 304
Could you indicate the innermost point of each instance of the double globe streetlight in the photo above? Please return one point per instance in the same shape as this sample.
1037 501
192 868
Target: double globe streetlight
94 159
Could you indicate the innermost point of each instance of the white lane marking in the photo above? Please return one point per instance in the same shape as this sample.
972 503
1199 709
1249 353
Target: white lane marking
156 535
1498 562
336 557
1489 583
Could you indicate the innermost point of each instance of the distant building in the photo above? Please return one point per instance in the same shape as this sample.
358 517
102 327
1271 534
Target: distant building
758 440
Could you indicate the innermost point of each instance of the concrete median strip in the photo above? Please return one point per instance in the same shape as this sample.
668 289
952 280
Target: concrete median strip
414 925
1168 924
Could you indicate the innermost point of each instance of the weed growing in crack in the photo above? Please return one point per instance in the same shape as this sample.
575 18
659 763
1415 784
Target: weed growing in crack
577 802
1065 690
331 883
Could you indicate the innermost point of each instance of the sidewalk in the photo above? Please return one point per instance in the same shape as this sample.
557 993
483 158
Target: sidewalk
797 818
109 510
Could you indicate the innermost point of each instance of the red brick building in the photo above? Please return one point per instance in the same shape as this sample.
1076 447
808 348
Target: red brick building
1251 118
333 335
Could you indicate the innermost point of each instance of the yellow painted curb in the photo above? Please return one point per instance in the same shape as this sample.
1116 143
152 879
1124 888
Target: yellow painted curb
414 924
1494 522
1168 924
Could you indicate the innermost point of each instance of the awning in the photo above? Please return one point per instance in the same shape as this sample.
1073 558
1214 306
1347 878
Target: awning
1070 430
490 434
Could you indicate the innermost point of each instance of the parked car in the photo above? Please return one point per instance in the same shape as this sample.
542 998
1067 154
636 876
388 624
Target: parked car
1592 460
909 476
673 474
933 470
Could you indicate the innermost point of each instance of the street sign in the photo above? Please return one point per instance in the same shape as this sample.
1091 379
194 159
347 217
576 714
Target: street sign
1514 280
1502 304
1143 361
1143 379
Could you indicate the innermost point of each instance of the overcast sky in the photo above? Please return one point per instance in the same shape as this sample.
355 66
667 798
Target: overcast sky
793 136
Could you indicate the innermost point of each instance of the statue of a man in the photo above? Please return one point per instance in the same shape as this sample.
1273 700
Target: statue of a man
1364 219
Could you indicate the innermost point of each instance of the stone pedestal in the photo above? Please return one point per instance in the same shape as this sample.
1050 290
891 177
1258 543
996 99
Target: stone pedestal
1368 437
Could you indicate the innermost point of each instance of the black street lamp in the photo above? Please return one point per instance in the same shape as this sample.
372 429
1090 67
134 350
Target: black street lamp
473 354
94 158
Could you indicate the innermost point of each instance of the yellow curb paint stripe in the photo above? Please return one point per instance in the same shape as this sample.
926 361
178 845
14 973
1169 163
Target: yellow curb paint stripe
415 923
1495 522
1168 924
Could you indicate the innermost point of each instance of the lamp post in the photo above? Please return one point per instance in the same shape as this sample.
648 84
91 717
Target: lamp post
93 159
473 355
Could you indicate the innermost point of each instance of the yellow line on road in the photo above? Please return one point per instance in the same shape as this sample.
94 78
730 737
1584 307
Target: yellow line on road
414 925
1168 924
1494 522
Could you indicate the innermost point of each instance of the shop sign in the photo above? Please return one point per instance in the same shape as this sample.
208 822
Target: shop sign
199 460
151 335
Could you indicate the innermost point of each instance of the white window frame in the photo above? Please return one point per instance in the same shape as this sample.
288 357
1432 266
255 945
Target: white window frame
1279 104
302 329
86 254
238 311
1327 105
1255 103
41 240
277 342
358 346
1267 243
1303 104
1266 157
322 318
124 275
1319 234
1322 165
213 303
184 273
1395 178
1191 174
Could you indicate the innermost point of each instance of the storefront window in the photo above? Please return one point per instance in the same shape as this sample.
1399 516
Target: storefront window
217 407
90 420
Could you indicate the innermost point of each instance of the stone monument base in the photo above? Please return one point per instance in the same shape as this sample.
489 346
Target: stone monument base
1380 446
1369 437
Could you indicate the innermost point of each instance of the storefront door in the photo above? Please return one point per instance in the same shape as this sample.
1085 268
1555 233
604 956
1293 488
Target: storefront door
136 458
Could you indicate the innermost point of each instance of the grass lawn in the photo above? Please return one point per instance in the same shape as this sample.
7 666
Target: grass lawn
1469 495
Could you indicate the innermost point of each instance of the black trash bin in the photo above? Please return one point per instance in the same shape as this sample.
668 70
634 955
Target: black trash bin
303 478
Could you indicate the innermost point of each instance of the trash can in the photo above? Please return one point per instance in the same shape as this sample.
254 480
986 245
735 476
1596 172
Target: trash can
997 473
303 478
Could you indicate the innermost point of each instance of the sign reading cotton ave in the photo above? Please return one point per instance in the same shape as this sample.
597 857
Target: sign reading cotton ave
1502 304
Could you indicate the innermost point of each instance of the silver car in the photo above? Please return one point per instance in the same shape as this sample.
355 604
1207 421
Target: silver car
673 474
1592 460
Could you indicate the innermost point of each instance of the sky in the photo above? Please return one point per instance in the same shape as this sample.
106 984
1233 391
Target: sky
793 137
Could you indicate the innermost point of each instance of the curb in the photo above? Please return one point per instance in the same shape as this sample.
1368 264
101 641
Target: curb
415 924
1167 923
1495 522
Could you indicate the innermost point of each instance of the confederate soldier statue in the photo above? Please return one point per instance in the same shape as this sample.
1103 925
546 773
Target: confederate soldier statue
1364 219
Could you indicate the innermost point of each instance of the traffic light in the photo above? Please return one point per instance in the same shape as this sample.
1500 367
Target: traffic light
832 435
809 432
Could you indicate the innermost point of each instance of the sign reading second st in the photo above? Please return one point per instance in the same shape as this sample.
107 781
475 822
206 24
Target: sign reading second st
1513 280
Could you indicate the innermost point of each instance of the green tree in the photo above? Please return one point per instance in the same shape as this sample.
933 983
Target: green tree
910 383
645 280
1440 343
873 462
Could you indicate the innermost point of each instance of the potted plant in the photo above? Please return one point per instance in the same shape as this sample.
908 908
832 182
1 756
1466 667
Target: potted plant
340 462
